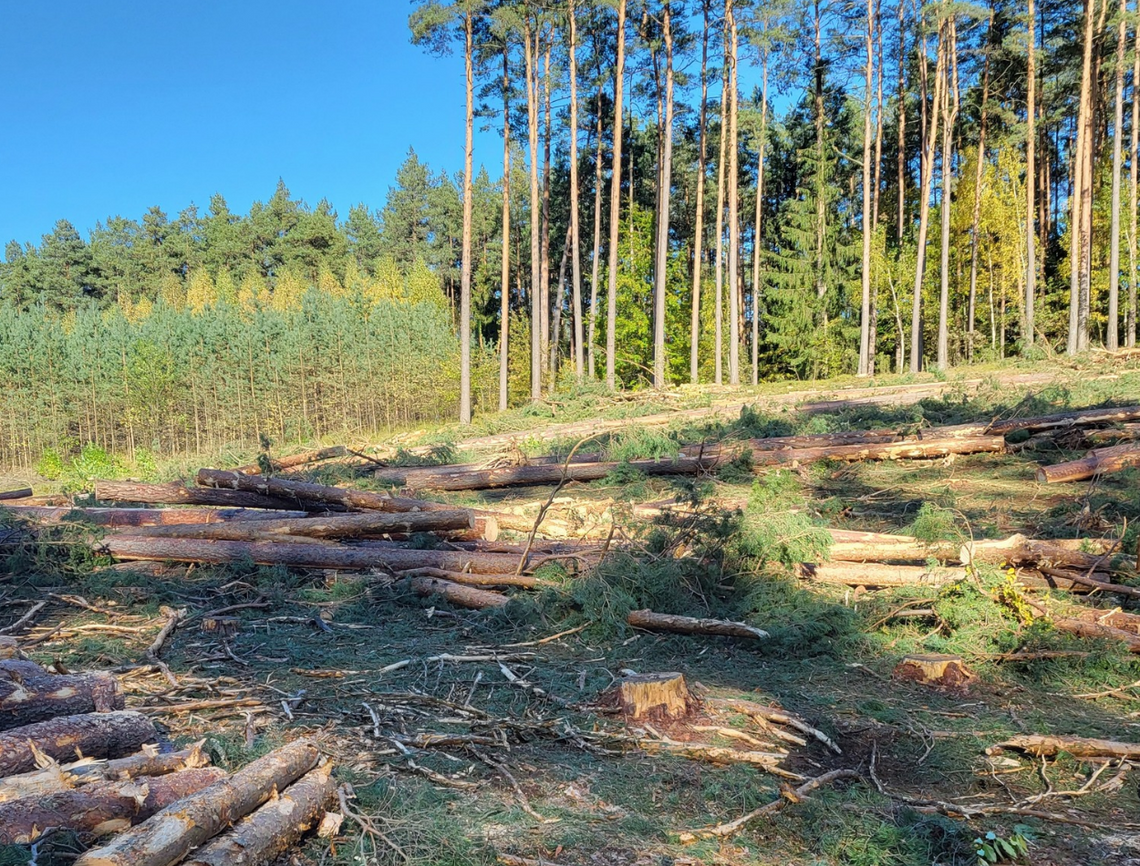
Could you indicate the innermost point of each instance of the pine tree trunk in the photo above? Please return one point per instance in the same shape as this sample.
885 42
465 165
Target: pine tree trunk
979 177
876 185
1081 199
1134 155
733 200
615 203
718 316
900 227
757 245
1112 336
546 336
665 185
1030 182
530 50
465 272
505 285
596 264
575 229
699 230
950 114
865 307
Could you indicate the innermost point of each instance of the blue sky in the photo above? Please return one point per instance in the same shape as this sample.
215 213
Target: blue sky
110 107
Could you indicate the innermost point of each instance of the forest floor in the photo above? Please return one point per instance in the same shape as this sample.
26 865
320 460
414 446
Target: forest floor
521 773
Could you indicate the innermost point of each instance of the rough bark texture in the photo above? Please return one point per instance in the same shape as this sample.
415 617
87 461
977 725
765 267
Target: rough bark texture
294 460
526 581
1096 463
652 621
27 700
169 835
1043 745
328 526
180 494
458 594
264 835
114 518
851 546
92 735
912 450
294 491
1082 418
101 807
1019 549
615 202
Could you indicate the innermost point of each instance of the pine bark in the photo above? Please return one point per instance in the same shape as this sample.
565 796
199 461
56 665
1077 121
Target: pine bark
1112 335
865 305
292 461
652 621
1133 176
331 526
65 738
1030 178
718 315
757 244
465 262
1102 461
575 229
505 280
699 228
949 116
733 199
27 700
1081 199
179 494
595 266
458 594
665 184
530 47
979 177
117 518
615 203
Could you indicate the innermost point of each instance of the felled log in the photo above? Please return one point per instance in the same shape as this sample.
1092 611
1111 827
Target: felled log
295 491
9 647
114 518
458 594
180 494
62 777
293 460
811 440
911 449
36 698
1099 630
22 493
19 670
101 807
172 833
92 735
1043 745
652 621
325 526
1017 549
1120 433
1101 461
851 546
655 696
335 556
1084 417
947 672
526 581
264 835
875 574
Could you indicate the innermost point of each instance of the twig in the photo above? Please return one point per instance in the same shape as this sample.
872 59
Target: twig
524 801
519 682
552 637
1110 691
18 624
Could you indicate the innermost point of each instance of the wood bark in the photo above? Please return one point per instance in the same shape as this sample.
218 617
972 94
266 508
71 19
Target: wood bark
466 578
652 621
179 494
878 547
1112 335
100 808
468 211
935 669
266 834
1080 218
1030 178
722 140
757 228
1102 461
979 176
949 118
115 518
1046 746
26 700
665 186
1134 204
530 49
1081 418
876 574
699 228
733 197
172 833
22 493
56 777
330 526
575 229
908 450
505 264
292 461
1019 549
615 203
458 594
865 306
64 738
546 337
294 492
596 264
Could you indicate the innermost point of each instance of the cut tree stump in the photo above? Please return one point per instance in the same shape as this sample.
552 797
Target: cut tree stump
32 699
1044 745
101 807
62 777
652 621
947 672
92 735
655 697
171 834
264 835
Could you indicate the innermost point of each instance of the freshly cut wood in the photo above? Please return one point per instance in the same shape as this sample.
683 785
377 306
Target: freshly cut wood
947 672
62 777
911 449
876 574
293 460
330 555
101 807
655 696
1044 745
851 546
458 594
172 833
652 621
32 699
92 735
119 517
1084 417
526 581
22 493
180 494
1018 549
264 835
1102 461
1098 630
324 526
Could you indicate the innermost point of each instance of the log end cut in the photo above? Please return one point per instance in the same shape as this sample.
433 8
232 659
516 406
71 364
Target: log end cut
656 697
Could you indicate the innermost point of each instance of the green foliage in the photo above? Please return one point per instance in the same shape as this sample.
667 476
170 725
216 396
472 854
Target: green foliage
996 849
933 524
771 531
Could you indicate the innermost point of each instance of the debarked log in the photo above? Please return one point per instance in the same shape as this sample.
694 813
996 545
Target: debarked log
101 807
1017 549
653 621
1043 745
93 735
876 574
169 835
25 700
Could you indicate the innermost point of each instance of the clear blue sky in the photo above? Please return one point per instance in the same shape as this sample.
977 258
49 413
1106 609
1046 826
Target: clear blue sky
110 106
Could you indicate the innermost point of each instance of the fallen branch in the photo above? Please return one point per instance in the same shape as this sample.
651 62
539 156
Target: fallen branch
652 621
294 460
1044 745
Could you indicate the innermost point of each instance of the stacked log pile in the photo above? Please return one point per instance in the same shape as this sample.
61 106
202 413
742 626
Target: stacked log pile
71 758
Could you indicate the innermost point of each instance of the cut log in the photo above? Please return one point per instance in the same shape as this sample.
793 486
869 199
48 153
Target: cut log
180 494
1017 549
458 594
120 517
776 443
303 458
36 698
62 777
1043 745
1121 433
876 574
22 493
296 491
19 670
526 581
264 835
912 449
324 526
1085 417
92 735
101 807
1098 630
947 672
652 621
655 696
851 546
171 834
1102 461
335 556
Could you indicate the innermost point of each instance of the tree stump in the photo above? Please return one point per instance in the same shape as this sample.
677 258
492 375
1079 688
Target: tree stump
946 672
655 696
222 626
